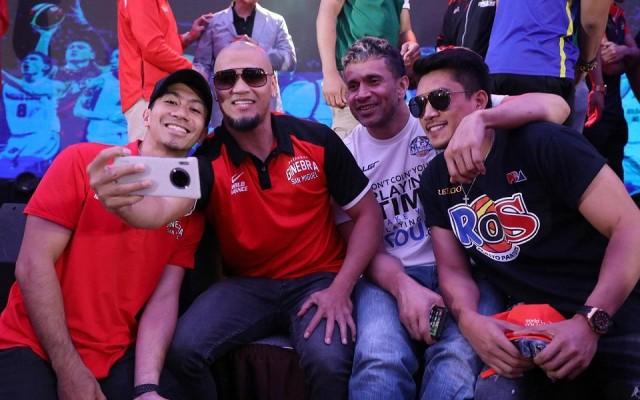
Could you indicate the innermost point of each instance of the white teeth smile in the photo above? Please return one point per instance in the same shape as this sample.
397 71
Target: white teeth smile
437 127
177 128
241 102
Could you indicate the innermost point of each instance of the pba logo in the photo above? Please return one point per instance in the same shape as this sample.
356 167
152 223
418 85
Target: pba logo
515 177
494 228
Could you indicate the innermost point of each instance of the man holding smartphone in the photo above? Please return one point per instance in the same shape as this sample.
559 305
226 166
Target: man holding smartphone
95 303
268 181
397 303
548 222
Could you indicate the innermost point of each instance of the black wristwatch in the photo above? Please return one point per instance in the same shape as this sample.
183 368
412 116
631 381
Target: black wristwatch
598 319
144 388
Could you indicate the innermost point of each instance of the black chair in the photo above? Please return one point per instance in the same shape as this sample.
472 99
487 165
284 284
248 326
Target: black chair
12 222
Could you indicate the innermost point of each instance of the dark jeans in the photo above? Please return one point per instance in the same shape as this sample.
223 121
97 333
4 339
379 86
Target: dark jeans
26 376
237 311
613 374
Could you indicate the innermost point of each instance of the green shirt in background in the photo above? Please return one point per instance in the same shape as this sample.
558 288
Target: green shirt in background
359 18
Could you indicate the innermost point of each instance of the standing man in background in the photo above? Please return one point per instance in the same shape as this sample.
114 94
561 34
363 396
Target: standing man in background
618 50
150 48
467 23
340 23
245 20
532 48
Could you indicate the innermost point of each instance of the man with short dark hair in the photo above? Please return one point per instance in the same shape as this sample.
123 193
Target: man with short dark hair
96 301
548 222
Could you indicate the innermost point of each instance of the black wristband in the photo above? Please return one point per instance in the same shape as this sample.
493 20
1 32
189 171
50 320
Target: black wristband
586 66
144 388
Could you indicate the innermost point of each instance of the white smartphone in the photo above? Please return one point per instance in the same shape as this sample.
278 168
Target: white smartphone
170 177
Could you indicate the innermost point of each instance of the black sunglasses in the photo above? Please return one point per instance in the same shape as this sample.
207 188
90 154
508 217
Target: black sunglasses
440 99
254 77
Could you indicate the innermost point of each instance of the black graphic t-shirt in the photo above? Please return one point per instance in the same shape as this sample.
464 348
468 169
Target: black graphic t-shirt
522 225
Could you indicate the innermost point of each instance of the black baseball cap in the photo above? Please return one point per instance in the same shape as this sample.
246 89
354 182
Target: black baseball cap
191 78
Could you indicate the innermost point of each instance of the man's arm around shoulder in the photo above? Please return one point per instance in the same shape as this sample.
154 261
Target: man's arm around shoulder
463 156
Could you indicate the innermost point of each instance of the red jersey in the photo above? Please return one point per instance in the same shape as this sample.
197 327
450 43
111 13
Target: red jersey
150 47
108 270
274 219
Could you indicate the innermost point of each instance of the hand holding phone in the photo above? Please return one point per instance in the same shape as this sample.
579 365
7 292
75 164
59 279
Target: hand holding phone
170 177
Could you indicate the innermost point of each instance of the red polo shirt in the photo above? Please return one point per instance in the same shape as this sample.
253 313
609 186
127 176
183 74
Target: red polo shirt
107 271
274 219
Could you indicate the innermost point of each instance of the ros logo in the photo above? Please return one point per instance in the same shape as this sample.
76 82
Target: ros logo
495 228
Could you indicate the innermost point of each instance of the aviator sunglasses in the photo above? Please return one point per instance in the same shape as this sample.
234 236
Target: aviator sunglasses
226 79
439 100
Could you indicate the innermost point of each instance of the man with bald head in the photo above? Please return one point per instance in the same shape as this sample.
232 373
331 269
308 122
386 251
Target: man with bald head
268 181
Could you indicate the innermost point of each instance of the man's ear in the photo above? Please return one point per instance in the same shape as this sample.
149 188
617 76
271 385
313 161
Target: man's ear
481 98
146 117
403 86
203 135
274 85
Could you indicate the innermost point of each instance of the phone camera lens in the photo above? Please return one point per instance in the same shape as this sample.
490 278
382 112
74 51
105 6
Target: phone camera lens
179 178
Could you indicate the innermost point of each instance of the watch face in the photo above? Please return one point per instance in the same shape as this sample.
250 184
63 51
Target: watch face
600 321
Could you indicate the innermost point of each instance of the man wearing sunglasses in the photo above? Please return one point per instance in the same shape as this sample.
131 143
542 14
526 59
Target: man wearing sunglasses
268 183
548 222
392 150
245 20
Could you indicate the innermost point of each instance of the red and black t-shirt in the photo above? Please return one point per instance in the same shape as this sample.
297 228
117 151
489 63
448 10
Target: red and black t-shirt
274 218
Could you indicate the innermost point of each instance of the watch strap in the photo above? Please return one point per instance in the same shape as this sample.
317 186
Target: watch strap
592 314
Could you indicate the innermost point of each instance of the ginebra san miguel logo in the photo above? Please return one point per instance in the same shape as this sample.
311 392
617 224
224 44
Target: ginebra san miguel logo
494 228
302 169
175 229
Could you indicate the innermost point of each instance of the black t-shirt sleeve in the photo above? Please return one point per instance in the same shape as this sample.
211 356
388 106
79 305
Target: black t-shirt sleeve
567 162
345 179
432 179
205 171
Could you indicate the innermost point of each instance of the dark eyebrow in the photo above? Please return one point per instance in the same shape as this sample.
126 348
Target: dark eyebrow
368 76
196 100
